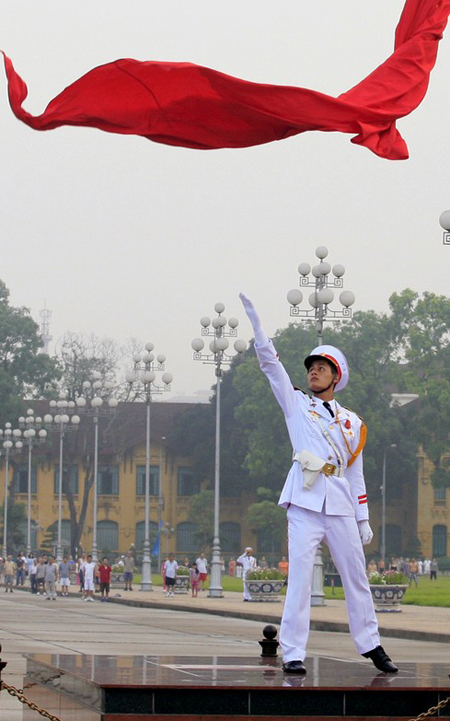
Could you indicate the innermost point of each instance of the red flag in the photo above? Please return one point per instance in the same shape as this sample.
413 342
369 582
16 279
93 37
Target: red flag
196 107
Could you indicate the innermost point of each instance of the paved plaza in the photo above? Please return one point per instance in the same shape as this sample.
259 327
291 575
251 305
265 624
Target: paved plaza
167 626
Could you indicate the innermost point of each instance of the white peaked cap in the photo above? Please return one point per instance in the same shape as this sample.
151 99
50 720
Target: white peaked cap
336 357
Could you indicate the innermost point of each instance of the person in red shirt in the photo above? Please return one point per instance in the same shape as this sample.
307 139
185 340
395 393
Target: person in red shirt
104 572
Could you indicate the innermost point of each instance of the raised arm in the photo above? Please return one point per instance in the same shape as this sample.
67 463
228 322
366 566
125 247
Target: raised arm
269 362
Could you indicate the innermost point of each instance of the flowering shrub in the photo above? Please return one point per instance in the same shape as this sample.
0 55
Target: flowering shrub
265 574
182 571
390 578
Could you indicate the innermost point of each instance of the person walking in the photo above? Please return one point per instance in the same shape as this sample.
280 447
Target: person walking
202 565
40 577
50 578
194 576
248 563
324 494
89 569
64 573
104 572
171 574
128 569
32 568
413 570
9 570
21 566
433 569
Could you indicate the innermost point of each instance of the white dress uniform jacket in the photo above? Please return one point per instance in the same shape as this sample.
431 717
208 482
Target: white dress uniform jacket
305 417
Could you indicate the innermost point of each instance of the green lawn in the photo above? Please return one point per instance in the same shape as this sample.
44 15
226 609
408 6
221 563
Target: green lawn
428 593
229 583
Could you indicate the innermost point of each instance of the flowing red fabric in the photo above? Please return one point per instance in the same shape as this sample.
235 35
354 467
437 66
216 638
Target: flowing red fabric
196 107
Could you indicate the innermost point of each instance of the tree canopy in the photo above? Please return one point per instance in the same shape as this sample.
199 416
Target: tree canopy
25 372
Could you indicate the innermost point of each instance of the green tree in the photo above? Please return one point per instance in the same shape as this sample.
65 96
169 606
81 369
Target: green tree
25 372
16 525
201 512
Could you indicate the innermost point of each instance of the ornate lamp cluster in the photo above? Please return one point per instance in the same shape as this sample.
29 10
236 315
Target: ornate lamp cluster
324 279
444 221
217 328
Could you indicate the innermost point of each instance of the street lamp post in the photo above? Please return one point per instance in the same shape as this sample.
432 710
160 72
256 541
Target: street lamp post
12 445
383 505
324 279
64 420
218 358
33 435
142 385
444 221
92 403
160 502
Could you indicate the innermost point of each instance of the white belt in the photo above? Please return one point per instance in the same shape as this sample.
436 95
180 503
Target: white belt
316 465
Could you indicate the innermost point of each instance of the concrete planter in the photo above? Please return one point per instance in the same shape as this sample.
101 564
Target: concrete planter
265 590
181 584
388 597
117 580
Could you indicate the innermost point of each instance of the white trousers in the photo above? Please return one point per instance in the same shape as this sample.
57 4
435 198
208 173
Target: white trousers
247 594
306 529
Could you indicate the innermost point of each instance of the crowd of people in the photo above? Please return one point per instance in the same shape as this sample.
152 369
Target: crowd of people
44 574
413 568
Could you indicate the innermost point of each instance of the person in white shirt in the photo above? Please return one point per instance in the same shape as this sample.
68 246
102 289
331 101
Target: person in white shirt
248 563
202 565
171 574
89 582
324 494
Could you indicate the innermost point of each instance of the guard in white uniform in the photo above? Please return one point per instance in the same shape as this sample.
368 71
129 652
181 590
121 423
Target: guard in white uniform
248 563
325 497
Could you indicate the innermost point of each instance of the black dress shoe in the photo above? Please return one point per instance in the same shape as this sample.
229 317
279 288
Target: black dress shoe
294 667
381 660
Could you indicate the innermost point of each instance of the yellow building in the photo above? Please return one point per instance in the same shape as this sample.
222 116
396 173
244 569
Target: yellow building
121 487
419 512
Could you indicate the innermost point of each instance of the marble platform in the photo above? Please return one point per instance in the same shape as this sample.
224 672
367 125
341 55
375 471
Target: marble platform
81 687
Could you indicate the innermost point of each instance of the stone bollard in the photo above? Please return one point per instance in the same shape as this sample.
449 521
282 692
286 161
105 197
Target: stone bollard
269 644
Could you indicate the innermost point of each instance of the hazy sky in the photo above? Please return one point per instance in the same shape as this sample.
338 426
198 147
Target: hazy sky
125 238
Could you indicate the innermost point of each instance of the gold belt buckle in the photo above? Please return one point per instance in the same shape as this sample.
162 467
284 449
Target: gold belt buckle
329 469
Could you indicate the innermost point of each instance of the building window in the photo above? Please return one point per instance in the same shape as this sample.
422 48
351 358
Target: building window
187 537
230 537
70 475
140 534
66 535
440 495
21 478
154 480
33 534
187 483
108 481
107 536
439 541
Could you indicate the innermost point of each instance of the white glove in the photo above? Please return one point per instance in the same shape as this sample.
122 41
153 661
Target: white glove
365 532
260 336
